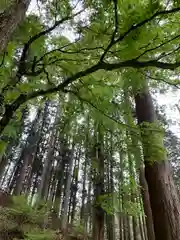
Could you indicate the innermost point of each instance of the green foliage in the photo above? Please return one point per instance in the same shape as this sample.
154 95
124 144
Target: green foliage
78 228
132 208
111 203
4 4
39 234
31 221
152 138
22 216
3 146
61 61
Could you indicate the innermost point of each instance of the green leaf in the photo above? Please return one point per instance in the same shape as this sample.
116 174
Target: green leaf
10 131
3 146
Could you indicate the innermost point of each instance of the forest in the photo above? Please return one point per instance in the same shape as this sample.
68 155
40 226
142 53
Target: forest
86 149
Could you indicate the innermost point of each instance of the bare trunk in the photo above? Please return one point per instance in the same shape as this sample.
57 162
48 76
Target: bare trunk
98 212
75 186
10 18
3 164
163 195
142 229
67 193
43 187
146 205
20 179
87 210
84 192
111 219
59 186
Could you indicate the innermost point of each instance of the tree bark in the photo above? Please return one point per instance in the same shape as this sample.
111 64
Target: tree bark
43 187
26 158
10 18
67 195
74 186
146 205
163 195
98 212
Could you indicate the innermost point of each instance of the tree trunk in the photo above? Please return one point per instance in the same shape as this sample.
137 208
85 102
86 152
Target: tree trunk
87 210
111 219
75 186
59 185
67 192
84 192
98 212
10 18
3 164
26 158
146 205
163 195
43 187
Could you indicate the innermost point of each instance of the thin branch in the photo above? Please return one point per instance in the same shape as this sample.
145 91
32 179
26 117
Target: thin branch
136 26
158 46
147 20
161 80
47 76
3 59
149 43
41 34
163 55
112 41
55 50
95 107
22 65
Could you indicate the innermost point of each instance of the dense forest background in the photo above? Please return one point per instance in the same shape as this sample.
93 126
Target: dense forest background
86 150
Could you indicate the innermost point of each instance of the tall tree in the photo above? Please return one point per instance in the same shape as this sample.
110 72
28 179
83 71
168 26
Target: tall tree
10 18
163 194
98 212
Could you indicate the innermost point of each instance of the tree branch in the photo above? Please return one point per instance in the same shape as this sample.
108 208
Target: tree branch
99 110
136 26
147 20
22 65
43 33
10 109
112 41
159 46
161 80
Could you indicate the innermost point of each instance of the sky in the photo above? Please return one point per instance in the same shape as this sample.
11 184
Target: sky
169 100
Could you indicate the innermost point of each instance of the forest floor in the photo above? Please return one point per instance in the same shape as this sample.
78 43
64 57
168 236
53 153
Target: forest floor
20 221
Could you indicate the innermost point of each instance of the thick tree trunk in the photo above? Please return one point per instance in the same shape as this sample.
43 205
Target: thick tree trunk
163 195
10 19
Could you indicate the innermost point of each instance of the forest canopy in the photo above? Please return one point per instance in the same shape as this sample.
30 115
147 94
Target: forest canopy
80 126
